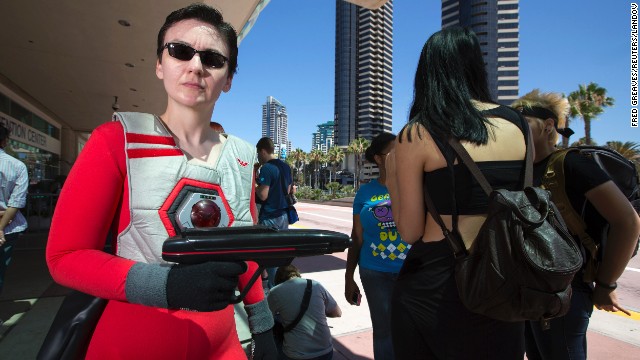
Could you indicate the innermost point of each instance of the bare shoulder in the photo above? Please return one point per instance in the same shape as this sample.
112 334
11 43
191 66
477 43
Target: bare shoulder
416 145
413 135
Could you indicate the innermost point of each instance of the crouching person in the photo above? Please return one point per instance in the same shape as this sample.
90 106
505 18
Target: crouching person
310 337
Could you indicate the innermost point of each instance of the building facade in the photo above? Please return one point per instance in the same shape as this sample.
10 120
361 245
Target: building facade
363 72
323 138
34 137
496 23
275 125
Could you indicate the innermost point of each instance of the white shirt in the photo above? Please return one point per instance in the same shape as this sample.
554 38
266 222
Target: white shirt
14 183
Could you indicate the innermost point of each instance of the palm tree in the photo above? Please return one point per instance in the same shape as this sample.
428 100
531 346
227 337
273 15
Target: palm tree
298 158
582 141
358 147
316 156
629 149
335 156
588 102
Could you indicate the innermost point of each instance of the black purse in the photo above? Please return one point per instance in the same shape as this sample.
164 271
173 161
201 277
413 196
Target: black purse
70 333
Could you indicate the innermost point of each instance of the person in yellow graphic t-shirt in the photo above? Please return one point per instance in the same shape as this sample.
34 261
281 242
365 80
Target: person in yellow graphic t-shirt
377 248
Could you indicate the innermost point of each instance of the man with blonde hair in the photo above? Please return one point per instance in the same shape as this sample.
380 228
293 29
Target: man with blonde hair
586 184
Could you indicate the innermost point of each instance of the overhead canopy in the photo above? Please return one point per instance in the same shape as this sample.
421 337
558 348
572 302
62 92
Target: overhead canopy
74 57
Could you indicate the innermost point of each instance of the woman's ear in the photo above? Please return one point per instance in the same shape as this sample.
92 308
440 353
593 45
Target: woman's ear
227 85
159 72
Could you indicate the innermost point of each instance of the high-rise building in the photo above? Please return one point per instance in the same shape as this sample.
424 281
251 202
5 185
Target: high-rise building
496 23
323 138
363 71
275 125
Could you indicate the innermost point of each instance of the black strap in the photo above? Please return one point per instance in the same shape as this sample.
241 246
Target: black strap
282 179
455 240
303 307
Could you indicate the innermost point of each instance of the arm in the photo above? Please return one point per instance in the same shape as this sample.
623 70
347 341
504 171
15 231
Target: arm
16 201
265 180
262 192
623 234
353 255
76 238
7 217
406 169
332 309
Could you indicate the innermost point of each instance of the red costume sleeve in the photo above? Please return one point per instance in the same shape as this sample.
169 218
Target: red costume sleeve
90 201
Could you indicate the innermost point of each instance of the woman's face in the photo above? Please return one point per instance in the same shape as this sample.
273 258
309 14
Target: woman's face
190 83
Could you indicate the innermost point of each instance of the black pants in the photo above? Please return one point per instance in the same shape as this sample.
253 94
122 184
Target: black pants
429 321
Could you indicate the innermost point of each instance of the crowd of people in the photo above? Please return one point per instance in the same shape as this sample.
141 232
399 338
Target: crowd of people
150 163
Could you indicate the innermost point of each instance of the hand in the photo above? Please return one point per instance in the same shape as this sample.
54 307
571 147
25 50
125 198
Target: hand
263 347
350 288
606 299
2 239
203 287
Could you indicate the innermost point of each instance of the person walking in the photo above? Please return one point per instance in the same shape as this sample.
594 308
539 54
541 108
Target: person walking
14 183
377 248
585 184
310 339
147 166
274 183
451 100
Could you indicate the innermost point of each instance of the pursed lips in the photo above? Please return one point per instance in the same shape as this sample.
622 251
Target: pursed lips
193 85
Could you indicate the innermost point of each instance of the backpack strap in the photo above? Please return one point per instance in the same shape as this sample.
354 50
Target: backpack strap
303 307
553 180
277 164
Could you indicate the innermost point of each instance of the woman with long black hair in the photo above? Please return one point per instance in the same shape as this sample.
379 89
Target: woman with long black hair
451 100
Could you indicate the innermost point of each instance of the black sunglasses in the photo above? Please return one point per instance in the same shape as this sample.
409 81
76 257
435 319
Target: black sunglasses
208 58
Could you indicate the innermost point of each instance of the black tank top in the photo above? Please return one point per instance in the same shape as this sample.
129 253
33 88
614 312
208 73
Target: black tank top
470 198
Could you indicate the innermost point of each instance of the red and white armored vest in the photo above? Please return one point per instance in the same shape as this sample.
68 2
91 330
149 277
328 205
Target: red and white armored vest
159 175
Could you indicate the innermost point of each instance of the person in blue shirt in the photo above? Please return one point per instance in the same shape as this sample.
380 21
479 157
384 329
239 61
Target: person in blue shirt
377 248
270 193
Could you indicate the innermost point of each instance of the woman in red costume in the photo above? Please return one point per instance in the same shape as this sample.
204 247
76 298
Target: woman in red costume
130 177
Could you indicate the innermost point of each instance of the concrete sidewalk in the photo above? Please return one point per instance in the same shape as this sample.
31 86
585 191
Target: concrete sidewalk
31 298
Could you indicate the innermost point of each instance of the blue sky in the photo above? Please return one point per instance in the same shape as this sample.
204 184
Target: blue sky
289 54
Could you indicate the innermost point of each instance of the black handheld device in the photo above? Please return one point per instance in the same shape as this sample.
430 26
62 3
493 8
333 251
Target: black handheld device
356 298
268 247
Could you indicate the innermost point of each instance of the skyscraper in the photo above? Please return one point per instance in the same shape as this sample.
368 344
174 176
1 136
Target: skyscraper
496 23
363 71
323 138
275 125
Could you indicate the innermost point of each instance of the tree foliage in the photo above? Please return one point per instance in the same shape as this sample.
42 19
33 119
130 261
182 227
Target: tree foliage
587 103
358 147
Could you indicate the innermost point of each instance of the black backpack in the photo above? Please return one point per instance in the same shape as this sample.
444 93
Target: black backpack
624 174
521 263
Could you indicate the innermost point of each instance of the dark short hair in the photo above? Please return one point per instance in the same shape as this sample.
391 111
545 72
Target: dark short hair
216 126
285 273
378 144
209 15
4 132
265 144
450 73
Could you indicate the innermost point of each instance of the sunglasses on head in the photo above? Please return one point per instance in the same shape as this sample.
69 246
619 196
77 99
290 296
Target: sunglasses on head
208 58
